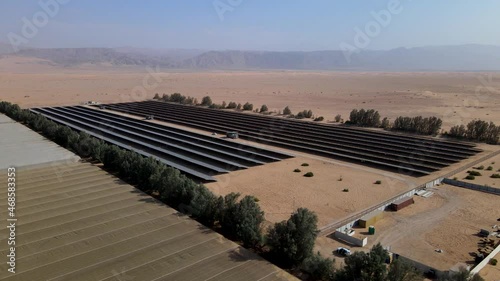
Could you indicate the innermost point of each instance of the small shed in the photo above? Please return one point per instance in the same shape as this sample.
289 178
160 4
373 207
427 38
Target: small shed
401 203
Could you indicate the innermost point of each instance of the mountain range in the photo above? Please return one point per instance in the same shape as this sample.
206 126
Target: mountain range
438 58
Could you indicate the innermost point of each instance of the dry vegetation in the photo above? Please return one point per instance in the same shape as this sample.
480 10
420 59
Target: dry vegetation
280 190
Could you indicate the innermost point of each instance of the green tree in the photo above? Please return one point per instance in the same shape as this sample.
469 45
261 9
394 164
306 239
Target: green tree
112 157
365 266
400 270
318 267
263 108
177 97
232 105
248 106
294 239
206 101
249 219
287 111
238 107
385 123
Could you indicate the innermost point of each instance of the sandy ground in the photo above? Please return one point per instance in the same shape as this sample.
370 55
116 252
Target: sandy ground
485 178
455 97
77 222
449 220
281 191
491 272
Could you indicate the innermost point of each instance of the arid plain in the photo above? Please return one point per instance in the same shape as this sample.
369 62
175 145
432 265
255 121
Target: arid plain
456 97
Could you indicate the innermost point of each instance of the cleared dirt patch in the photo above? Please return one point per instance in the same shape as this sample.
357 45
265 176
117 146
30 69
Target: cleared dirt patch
281 190
449 220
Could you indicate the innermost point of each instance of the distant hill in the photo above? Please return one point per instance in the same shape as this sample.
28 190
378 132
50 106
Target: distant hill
456 58
444 58
74 56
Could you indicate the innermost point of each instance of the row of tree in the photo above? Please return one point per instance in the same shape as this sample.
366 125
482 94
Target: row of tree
364 118
418 124
476 130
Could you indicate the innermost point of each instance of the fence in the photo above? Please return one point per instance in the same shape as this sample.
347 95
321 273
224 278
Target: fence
351 220
486 260
483 188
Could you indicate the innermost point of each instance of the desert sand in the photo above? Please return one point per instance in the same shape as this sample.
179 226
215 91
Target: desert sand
281 191
449 220
485 178
455 97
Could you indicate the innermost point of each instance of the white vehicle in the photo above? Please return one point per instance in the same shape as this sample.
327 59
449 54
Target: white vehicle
343 251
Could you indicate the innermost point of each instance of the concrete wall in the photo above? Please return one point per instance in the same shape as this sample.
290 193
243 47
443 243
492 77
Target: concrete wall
352 240
423 268
433 183
487 189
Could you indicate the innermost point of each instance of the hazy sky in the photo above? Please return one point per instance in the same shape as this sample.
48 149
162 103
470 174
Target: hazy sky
253 24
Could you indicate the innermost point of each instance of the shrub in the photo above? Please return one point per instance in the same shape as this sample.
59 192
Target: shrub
345 190
340 179
156 97
480 167
309 175
493 261
248 106
338 117
489 168
496 176
470 177
297 170
455 178
319 119
238 107
378 182
264 108
474 173
304 165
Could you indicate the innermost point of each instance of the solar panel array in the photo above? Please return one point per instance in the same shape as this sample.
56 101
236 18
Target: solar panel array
408 154
198 155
